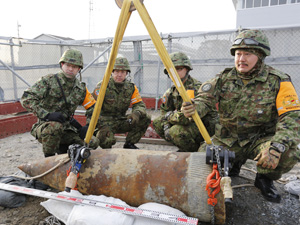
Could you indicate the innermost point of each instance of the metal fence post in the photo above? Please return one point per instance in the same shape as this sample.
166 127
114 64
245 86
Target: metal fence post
13 67
157 86
138 76
169 84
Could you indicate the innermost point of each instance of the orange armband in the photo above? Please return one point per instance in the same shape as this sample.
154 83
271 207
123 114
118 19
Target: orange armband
136 97
89 100
287 99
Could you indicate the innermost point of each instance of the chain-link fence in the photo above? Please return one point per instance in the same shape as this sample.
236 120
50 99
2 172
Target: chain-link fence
23 62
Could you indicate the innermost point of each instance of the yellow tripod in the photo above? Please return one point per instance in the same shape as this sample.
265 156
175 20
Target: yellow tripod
127 6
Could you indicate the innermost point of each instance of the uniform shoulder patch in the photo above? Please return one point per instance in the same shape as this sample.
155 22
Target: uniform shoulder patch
96 91
206 87
164 99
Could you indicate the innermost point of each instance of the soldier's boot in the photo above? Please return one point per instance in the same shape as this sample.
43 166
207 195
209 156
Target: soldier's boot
236 168
267 188
48 154
63 148
130 145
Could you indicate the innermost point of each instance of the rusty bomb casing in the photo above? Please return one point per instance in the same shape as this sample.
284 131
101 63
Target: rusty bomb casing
177 179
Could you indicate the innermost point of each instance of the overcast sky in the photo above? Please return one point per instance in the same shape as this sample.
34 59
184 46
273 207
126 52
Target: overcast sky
77 20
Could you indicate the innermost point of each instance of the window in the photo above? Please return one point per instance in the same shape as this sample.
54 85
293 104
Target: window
265 3
249 4
243 3
257 3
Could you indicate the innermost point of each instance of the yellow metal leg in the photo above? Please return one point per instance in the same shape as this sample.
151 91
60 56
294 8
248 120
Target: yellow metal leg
162 51
160 48
122 24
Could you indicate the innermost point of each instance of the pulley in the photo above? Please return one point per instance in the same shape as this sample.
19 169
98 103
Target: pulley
132 7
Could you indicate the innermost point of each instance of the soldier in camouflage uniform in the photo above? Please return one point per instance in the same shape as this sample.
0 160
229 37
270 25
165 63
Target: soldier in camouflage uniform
56 128
259 112
120 93
172 125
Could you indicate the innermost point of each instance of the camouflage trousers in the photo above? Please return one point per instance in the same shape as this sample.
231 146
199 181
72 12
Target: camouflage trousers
186 137
55 138
113 125
287 160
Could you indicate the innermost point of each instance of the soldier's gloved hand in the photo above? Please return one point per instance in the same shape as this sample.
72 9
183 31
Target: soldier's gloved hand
168 115
103 133
188 109
82 131
55 116
268 157
134 118
167 132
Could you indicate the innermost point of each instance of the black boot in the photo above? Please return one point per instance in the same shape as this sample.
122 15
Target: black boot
130 145
48 155
267 188
63 148
235 170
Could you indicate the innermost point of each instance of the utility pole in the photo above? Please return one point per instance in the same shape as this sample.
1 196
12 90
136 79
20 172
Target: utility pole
18 29
90 16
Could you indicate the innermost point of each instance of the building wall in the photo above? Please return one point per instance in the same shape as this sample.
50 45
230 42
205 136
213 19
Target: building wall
272 16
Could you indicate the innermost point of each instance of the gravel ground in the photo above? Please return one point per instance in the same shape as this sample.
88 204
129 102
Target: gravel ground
248 206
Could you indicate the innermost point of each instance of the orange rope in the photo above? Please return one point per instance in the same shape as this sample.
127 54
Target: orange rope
213 182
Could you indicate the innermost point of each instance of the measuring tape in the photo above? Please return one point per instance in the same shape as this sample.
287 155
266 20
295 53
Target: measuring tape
112 207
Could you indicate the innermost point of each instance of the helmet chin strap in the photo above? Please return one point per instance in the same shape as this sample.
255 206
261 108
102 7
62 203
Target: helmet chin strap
185 77
80 77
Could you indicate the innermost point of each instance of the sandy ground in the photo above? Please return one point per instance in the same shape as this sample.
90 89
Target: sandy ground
248 206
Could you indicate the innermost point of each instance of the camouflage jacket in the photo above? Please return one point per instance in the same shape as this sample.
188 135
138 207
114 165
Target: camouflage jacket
172 101
45 96
249 111
117 99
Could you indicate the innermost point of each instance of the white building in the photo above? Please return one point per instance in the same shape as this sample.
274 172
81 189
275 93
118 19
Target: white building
267 13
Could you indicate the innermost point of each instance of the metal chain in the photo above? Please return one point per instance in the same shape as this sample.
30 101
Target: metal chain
72 157
216 150
218 160
212 211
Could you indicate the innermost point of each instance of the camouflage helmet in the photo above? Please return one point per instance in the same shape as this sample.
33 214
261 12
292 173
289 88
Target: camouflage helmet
251 39
180 59
121 64
72 56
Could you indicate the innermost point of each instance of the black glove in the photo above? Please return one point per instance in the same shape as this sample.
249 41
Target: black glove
82 131
75 124
55 116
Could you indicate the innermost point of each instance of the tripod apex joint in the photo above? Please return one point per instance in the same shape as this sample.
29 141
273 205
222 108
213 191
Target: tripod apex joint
132 7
